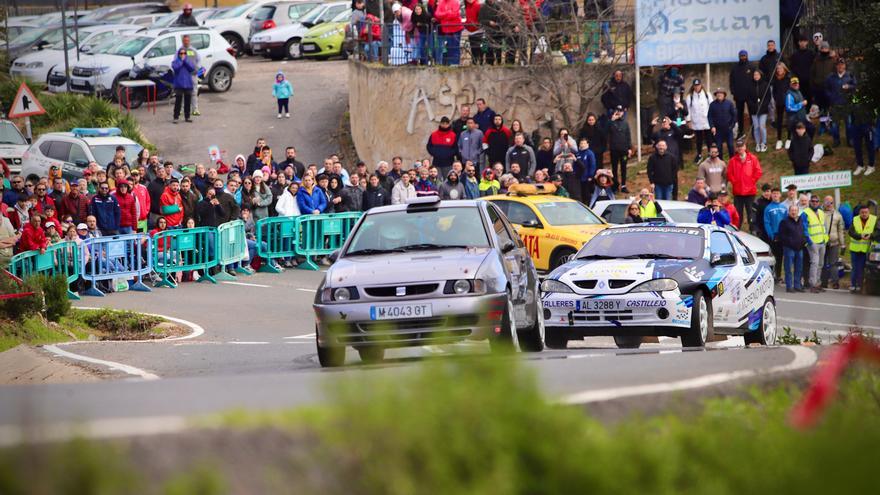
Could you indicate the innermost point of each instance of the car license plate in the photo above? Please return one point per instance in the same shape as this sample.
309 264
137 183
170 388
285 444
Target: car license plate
598 305
398 311
257 46
76 84
309 48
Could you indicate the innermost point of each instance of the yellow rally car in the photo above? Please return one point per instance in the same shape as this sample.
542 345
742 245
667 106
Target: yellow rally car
552 227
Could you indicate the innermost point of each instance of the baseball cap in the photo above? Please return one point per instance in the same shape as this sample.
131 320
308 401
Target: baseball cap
697 81
795 80
619 108
82 226
790 187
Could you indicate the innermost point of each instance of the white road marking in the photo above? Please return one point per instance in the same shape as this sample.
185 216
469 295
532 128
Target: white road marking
303 342
131 370
247 284
303 336
732 341
306 290
247 343
811 303
831 323
100 428
804 357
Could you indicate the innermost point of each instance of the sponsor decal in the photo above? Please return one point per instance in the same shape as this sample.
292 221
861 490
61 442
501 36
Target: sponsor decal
559 304
680 321
694 275
659 303
668 230
531 243
687 301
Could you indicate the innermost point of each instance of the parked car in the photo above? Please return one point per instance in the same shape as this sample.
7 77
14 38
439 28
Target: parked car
285 41
614 212
57 76
327 39
680 280
278 14
146 20
116 13
13 145
72 151
17 26
235 24
467 277
38 65
201 15
100 73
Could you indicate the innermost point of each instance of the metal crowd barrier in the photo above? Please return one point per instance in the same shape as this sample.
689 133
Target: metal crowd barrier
276 238
183 250
120 257
305 235
231 248
59 259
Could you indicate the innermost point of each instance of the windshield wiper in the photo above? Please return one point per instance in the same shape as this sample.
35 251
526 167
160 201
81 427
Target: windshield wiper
426 246
597 257
370 251
662 256
8 142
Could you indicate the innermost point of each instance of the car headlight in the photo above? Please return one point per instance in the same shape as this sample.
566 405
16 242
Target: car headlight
549 285
339 294
330 34
258 39
461 287
34 65
101 70
656 285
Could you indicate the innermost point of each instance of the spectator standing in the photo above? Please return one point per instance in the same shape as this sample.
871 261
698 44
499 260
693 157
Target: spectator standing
618 93
489 185
774 214
823 66
353 195
862 232
620 146
722 117
724 200
262 197
76 205
186 17
770 60
596 133
106 211
448 16
714 171
193 55
183 68
33 238
375 195
792 238
587 162
670 132
698 194
128 207
603 190
779 85
713 213
670 82
442 145
800 152
834 226
758 103
744 172
282 91
571 180
143 200
402 191
470 143
470 182
474 29
171 205
290 161
452 188
740 79
662 171
497 140
522 154
459 125
311 199
839 86
189 197
813 219
485 116
801 64
648 208
863 131
760 206
796 109
8 239
287 205
698 101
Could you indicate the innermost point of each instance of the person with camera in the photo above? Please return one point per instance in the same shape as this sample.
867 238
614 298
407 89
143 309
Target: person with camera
620 145
713 213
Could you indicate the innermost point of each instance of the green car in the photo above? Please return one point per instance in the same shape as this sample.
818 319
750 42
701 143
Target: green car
326 40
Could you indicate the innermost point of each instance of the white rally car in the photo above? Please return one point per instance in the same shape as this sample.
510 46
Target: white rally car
679 280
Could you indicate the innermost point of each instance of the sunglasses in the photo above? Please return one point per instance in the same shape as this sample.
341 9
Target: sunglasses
41 189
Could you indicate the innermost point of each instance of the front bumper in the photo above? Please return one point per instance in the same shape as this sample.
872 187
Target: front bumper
315 47
605 313
267 48
452 319
89 86
14 163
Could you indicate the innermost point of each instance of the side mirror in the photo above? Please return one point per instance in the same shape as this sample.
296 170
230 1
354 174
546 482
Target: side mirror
334 256
507 246
723 259
532 224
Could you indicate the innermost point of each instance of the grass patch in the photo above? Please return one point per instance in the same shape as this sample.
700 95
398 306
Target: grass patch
35 331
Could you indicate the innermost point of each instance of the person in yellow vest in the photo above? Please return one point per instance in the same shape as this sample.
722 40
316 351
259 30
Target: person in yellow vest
648 208
862 233
813 220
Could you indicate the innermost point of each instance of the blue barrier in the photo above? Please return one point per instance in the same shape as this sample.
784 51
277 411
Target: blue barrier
117 257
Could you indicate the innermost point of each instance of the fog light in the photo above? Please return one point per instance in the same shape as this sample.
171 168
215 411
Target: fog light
547 314
663 313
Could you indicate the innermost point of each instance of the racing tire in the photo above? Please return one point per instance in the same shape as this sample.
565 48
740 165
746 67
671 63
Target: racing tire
560 257
532 338
371 355
702 328
628 341
766 332
506 341
555 338
293 49
331 357
220 78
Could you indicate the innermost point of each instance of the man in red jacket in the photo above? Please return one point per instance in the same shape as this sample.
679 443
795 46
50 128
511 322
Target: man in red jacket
33 238
128 217
448 17
475 31
75 204
171 205
744 172
140 192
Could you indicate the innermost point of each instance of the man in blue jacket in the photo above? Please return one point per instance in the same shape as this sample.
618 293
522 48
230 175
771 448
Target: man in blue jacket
713 213
774 214
722 118
106 210
840 86
484 116
183 68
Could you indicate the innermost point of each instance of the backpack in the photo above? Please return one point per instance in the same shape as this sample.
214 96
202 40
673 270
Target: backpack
371 22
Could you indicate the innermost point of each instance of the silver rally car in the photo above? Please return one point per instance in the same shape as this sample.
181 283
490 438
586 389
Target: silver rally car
680 280
428 272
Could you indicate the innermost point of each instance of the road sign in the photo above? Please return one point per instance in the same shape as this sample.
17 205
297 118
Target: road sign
25 104
824 180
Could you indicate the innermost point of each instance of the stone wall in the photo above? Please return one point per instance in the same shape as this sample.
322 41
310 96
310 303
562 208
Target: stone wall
394 109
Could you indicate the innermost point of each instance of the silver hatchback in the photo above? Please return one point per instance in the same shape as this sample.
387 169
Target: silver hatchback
428 272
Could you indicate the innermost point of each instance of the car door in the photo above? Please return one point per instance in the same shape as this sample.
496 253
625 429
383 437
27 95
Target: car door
516 261
77 161
752 285
725 280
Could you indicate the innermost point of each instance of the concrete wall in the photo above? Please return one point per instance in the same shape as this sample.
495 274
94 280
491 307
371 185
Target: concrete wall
394 109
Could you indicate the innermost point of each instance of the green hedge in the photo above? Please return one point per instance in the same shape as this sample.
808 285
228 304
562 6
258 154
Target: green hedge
50 294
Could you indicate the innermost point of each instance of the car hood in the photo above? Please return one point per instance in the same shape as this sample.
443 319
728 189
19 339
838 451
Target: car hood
104 60
323 28
13 150
446 264
603 271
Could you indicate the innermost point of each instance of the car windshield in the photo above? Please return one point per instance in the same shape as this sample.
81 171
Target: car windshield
9 134
342 16
30 36
405 230
107 44
237 11
312 15
567 213
130 47
645 242
104 153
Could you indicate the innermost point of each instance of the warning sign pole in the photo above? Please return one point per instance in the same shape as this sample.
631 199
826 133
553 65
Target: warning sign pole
27 129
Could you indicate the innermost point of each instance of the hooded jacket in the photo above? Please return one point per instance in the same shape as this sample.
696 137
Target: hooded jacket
401 192
32 238
768 62
287 205
801 65
183 71
262 200
597 136
497 140
743 174
171 206
376 196
823 66
309 201
774 214
143 198
448 15
282 89
443 147
450 189
740 78
488 187
128 207
106 210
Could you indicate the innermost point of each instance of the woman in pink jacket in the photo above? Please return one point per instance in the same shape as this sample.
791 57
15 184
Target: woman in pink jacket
449 26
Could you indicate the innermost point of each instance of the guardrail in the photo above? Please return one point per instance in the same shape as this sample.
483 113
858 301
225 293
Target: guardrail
231 248
121 257
306 235
276 238
59 259
183 250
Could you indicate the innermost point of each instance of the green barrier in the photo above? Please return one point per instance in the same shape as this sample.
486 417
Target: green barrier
320 235
59 259
181 250
276 238
231 248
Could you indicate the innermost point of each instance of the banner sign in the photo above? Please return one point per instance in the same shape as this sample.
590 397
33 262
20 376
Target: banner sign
673 32
825 180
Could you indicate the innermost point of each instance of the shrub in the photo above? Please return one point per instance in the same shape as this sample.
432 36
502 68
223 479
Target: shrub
55 295
20 308
114 321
